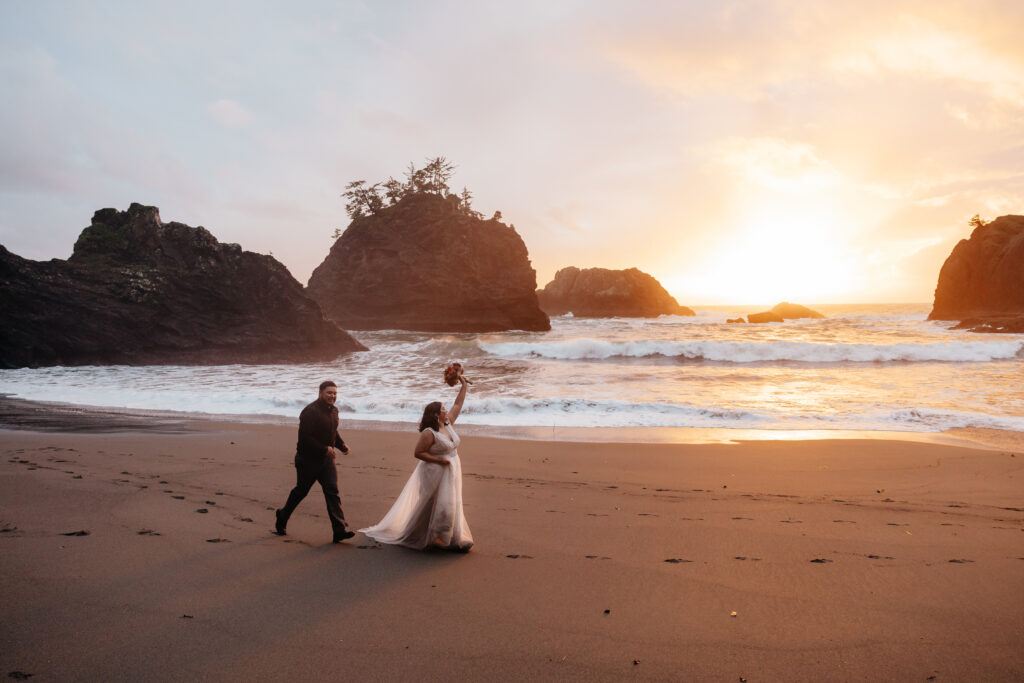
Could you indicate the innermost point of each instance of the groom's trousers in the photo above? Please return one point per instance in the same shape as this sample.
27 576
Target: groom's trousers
307 471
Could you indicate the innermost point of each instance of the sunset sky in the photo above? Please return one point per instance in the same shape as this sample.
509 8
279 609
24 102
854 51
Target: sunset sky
740 152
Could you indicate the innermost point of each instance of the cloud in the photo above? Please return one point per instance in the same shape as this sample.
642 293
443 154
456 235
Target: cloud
230 113
777 164
921 48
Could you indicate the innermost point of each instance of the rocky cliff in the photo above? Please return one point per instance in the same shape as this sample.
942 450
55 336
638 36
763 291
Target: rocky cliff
422 264
604 293
984 275
140 291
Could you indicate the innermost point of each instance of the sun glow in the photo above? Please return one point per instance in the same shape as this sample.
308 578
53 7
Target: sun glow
787 254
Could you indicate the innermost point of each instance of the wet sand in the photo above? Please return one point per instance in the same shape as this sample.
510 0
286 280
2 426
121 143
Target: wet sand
844 559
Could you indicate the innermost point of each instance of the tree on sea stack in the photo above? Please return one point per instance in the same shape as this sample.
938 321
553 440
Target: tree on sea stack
368 200
417 256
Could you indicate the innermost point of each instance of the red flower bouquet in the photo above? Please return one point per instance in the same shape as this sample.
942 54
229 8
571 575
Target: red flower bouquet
451 374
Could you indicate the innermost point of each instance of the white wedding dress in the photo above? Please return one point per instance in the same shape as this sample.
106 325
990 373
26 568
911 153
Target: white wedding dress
428 511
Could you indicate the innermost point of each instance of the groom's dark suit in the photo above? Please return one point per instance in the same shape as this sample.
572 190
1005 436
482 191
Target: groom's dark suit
318 430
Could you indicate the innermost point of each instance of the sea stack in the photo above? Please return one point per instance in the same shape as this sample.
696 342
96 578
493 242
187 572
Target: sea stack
139 291
424 264
983 278
790 311
604 293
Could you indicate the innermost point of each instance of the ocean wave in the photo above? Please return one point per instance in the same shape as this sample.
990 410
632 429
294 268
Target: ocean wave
924 419
759 352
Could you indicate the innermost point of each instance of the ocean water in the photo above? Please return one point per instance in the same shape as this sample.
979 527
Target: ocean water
864 367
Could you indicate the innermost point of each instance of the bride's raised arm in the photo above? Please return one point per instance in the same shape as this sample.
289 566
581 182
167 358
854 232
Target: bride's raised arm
453 414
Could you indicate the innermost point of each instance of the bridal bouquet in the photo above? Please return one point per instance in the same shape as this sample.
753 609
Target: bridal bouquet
451 374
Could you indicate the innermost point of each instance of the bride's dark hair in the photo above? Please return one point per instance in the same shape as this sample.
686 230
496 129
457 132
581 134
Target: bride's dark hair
431 416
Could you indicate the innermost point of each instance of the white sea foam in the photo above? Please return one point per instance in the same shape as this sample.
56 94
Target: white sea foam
864 368
759 352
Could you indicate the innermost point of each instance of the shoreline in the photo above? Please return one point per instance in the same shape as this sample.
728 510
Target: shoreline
17 413
136 548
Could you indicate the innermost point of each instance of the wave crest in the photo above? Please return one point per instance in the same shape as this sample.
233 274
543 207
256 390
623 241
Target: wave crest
758 352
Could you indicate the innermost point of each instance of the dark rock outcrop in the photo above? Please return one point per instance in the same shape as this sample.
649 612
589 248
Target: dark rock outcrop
139 291
604 293
765 317
984 275
790 311
423 264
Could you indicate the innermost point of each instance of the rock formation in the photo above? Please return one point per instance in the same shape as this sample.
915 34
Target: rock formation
984 277
790 311
765 317
139 291
781 313
422 264
604 293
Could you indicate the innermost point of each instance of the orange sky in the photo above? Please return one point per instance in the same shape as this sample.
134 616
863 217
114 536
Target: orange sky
740 152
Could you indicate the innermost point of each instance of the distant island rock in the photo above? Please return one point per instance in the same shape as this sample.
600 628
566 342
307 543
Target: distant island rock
604 293
982 280
424 264
790 311
765 317
781 313
139 291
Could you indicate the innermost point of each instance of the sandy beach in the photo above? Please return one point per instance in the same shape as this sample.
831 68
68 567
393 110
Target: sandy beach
141 549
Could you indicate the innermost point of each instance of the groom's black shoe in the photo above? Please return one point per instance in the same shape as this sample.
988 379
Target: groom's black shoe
342 535
279 524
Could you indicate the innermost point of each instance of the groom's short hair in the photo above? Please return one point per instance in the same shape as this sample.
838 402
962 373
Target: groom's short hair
328 383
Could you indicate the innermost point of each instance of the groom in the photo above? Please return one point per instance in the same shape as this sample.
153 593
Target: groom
314 461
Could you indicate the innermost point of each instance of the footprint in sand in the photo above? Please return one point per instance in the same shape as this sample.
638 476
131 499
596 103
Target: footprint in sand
843 521
369 547
83 532
646 514
519 557
178 497
244 519
820 560
602 557
745 519
217 540
692 519
879 557
677 560
752 559
961 561
202 511
148 532
895 524
210 502
791 521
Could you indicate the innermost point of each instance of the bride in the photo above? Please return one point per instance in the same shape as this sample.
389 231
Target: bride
428 511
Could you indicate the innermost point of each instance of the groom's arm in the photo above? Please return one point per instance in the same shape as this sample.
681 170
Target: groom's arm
339 443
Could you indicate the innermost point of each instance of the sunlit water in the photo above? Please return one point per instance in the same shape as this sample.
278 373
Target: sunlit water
866 367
